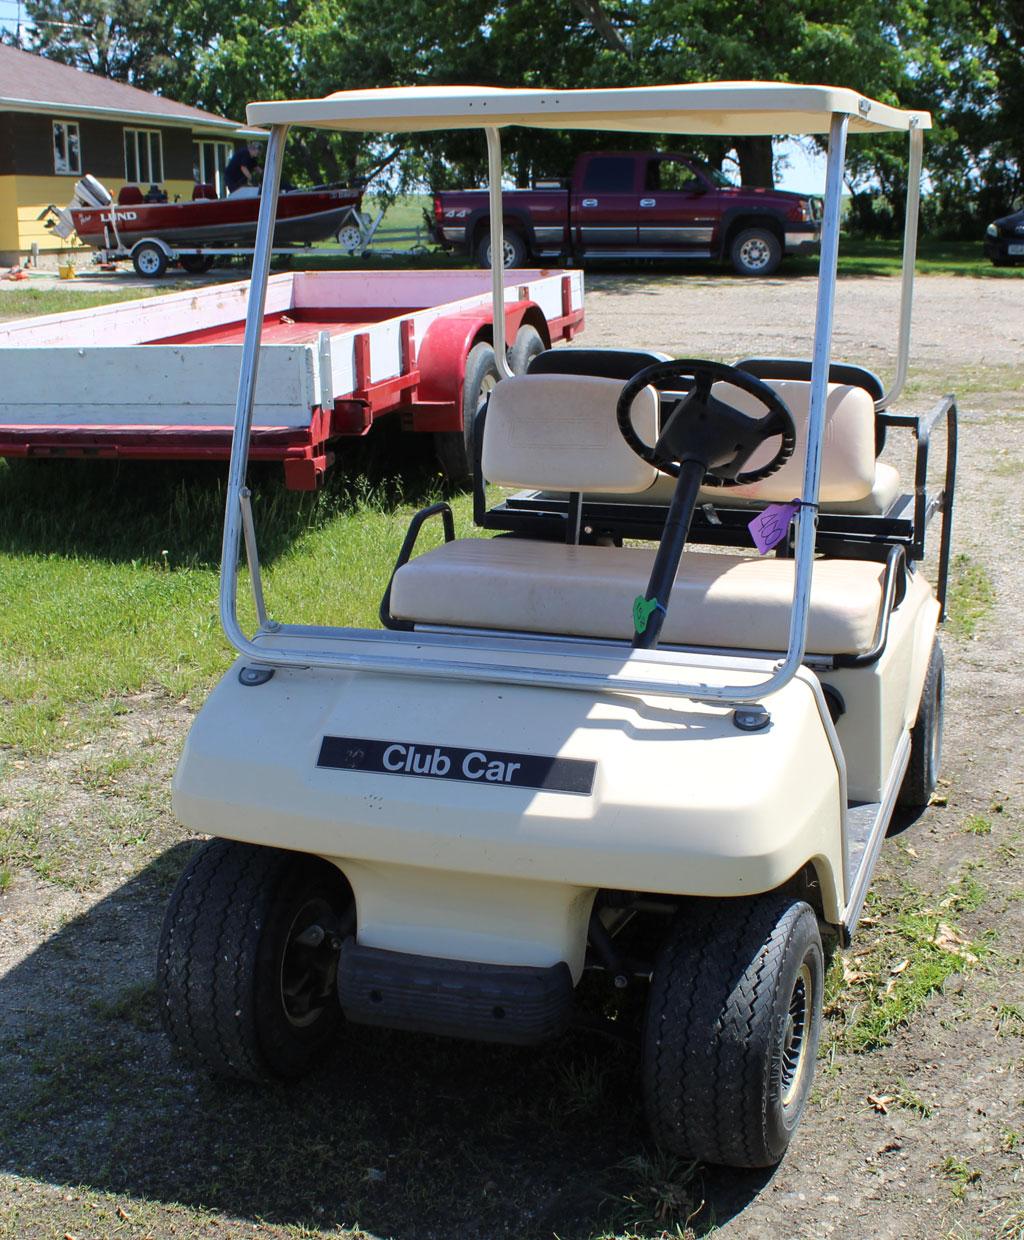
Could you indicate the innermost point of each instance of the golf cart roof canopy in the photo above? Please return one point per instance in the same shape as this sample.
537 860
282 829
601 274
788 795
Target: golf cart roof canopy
726 108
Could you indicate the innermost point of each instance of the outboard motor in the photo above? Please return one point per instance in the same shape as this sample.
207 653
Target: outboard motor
91 193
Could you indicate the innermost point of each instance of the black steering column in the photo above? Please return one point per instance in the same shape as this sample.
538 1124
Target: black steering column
704 441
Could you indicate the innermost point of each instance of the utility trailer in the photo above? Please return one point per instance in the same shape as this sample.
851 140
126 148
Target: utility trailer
156 379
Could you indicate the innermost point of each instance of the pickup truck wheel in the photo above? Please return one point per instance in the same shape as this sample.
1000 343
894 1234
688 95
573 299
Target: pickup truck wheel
455 448
926 738
527 346
247 965
514 249
755 252
149 261
731 1029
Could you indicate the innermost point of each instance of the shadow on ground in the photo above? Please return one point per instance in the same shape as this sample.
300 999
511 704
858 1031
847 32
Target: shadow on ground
411 1137
124 511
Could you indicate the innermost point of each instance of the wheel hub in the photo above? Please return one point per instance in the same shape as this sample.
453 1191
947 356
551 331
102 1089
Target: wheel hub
309 966
794 1036
754 252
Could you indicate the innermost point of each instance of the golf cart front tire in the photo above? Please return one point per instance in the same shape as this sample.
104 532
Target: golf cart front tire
245 980
731 1030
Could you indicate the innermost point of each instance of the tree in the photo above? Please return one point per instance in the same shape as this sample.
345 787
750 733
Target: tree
962 59
120 39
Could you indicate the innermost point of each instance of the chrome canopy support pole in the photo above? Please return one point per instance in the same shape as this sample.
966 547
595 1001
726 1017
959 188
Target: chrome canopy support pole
247 389
807 517
909 261
497 249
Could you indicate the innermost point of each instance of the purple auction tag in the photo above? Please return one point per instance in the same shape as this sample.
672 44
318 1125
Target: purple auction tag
769 527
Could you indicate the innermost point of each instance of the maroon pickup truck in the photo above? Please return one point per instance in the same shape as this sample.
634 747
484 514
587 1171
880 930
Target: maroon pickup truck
630 204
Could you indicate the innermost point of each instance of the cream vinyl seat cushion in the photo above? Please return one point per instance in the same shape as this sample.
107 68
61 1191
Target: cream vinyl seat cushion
883 494
558 433
718 600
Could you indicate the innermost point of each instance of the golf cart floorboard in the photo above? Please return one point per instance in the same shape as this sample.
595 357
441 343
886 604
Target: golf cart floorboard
860 824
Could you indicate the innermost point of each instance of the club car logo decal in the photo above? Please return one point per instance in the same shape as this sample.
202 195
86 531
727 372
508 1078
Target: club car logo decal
487 767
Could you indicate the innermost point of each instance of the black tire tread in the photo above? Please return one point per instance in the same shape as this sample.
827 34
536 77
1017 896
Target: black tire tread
702 1022
208 952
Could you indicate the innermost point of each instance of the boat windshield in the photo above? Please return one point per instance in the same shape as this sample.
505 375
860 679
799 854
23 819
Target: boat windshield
721 179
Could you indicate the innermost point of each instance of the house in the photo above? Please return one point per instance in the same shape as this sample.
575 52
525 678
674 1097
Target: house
57 122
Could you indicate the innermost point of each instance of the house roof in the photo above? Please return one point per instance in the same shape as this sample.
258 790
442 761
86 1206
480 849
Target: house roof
32 83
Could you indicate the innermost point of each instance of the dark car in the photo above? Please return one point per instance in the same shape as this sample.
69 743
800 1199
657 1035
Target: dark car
1004 240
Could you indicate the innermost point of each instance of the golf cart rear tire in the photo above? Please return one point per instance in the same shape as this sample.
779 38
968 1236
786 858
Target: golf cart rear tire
726 1064
454 449
225 952
926 737
149 260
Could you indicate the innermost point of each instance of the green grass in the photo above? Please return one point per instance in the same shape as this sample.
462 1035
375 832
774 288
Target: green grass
860 256
971 598
961 1174
908 956
108 576
28 302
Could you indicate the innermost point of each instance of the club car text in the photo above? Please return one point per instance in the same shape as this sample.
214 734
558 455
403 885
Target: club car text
479 766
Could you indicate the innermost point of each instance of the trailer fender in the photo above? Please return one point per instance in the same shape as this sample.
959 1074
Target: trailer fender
158 242
446 345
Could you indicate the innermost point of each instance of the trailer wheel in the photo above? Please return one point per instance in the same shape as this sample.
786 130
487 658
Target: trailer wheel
247 965
514 248
926 737
350 238
455 448
731 1029
149 260
196 264
527 345
755 252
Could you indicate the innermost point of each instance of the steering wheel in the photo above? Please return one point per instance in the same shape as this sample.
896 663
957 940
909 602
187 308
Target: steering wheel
705 429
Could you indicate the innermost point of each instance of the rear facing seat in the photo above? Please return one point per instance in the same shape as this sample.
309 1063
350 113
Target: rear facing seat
558 433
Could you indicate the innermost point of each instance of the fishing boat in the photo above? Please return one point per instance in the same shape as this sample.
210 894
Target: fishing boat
303 215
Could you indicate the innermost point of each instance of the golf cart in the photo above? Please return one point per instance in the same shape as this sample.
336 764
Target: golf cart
611 743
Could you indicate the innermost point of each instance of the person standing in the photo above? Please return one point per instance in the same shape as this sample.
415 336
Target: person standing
241 166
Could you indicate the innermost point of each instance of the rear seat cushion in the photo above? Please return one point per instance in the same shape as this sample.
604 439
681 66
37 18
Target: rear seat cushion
560 432
848 448
717 600
877 502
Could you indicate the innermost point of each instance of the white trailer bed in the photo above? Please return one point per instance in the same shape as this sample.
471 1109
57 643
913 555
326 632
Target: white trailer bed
158 377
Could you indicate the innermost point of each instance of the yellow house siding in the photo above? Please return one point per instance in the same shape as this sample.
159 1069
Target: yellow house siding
9 214
23 198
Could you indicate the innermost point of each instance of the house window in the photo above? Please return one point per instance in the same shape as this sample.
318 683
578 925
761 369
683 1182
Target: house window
143 157
67 149
209 159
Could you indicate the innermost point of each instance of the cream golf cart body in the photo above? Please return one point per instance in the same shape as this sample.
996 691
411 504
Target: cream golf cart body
443 825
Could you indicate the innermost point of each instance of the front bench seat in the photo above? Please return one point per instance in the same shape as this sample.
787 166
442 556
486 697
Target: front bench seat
559 433
724 601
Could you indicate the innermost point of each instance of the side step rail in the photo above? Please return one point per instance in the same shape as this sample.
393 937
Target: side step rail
866 827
